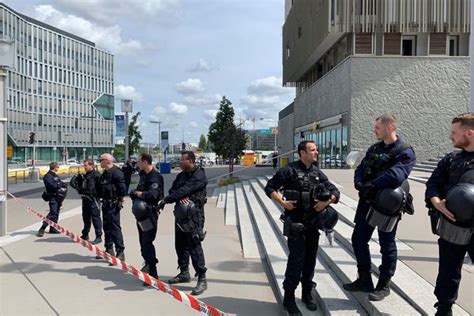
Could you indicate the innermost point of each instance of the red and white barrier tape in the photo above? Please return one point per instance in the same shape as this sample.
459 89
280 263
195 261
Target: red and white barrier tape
184 298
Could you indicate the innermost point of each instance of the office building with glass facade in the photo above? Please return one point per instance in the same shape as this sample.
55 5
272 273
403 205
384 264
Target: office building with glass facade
353 60
61 88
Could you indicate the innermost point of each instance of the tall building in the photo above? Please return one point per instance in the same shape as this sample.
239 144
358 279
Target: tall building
61 88
353 60
261 139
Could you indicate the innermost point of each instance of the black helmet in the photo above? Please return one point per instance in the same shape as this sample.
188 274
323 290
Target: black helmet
328 218
183 211
460 201
467 177
139 209
76 181
389 201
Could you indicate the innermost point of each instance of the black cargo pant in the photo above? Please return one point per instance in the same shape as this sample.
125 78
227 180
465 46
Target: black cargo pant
54 207
451 258
112 229
146 241
91 214
301 260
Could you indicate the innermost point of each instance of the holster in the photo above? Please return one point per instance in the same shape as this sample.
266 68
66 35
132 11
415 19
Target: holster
434 219
290 229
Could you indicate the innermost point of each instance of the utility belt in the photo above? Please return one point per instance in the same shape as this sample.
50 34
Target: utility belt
447 230
293 229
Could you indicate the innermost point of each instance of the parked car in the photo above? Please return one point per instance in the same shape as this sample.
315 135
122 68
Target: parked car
73 161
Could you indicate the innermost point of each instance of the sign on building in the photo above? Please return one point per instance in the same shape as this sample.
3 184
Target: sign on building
120 125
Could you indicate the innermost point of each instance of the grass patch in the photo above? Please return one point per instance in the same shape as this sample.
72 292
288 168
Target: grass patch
228 180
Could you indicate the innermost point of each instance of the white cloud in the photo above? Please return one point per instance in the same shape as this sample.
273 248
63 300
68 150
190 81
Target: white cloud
178 108
112 11
190 87
206 101
127 92
210 114
193 124
265 98
108 37
201 66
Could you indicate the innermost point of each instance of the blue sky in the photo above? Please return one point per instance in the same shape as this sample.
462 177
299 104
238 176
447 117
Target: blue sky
177 58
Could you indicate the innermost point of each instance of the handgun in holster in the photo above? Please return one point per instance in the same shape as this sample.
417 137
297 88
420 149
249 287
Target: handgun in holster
290 229
434 218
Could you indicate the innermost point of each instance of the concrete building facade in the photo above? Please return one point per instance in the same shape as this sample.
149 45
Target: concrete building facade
351 61
61 88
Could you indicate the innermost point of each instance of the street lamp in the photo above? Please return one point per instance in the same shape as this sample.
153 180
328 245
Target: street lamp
159 138
127 107
7 60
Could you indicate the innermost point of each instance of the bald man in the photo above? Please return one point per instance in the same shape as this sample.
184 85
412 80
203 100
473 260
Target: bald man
112 191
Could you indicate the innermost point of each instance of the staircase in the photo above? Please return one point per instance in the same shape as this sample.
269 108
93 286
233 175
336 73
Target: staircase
260 230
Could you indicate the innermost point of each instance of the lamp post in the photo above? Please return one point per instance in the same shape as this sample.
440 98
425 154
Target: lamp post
159 138
7 60
127 107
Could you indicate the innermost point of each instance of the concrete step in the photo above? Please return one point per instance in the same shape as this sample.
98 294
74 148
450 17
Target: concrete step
247 233
341 262
423 169
425 166
429 163
230 216
222 197
417 179
215 193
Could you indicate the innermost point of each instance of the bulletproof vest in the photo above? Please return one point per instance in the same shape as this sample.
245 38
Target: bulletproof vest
199 197
461 169
89 184
302 188
107 188
381 159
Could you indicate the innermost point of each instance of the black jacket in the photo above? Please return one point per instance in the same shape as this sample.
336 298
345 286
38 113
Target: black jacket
188 184
151 184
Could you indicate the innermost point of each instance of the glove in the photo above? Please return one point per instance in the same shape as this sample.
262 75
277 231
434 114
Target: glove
133 195
120 203
161 204
360 186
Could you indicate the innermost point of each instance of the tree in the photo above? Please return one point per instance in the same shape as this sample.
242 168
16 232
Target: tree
119 152
202 142
227 139
134 135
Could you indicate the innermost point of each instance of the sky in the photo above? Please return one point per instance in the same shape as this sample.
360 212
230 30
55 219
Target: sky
177 58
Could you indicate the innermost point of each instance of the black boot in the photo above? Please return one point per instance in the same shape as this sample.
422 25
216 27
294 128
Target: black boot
382 290
443 309
151 270
362 284
53 230
97 240
40 232
290 304
201 285
121 255
308 299
85 236
182 277
110 251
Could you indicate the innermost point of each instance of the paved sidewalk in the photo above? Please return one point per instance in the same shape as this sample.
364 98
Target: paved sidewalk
415 231
55 276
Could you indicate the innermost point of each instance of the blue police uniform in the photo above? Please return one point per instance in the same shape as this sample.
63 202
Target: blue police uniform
303 246
451 256
91 205
112 191
151 184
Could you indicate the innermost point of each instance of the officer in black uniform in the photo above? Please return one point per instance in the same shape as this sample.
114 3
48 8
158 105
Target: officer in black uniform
55 194
112 191
304 185
147 195
128 169
454 169
90 202
386 165
189 188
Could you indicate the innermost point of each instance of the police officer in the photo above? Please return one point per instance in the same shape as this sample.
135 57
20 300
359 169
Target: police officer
302 181
112 191
190 187
453 169
128 169
150 191
90 203
54 194
386 165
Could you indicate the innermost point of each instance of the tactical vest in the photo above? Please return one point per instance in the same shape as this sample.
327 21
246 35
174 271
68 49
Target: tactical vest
381 159
199 197
89 184
107 188
458 166
302 187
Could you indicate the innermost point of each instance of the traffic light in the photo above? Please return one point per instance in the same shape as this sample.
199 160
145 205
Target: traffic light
32 138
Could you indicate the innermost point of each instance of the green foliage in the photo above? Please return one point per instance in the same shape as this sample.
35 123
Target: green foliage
134 135
202 142
119 152
227 140
227 181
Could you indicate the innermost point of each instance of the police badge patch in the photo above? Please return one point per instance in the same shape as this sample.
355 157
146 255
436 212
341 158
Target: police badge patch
154 186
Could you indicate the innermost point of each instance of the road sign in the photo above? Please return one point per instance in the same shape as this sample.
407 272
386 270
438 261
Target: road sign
264 131
9 152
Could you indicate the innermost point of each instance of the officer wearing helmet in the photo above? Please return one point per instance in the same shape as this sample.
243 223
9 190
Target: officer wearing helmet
307 194
188 191
54 194
385 166
87 186
449 196
145 209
